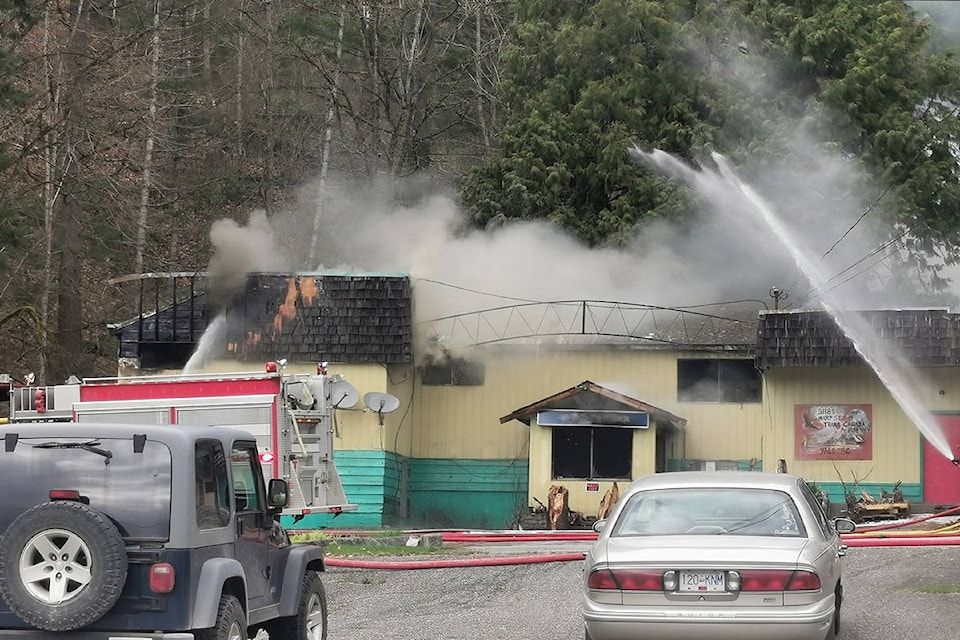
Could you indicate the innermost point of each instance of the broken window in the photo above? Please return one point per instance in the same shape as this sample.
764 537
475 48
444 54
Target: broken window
456 372
716 380
592 453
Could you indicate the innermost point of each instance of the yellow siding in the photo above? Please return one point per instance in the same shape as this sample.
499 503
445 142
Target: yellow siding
457 422
722 431
450 422
464 422
896 441
358 427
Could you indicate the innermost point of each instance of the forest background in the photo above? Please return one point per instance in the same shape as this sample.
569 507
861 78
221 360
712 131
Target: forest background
133 128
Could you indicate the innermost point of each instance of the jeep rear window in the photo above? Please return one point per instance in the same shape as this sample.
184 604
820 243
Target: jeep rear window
133 489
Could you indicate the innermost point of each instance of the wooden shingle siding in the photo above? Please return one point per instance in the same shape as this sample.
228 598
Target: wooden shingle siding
926 337
320 317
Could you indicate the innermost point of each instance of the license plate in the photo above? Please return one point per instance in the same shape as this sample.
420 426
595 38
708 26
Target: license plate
702 581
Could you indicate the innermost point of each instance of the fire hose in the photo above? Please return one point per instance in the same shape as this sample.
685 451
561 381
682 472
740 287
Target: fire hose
451 563
888 536
874 536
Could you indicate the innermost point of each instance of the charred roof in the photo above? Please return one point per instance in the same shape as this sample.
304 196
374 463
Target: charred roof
301 317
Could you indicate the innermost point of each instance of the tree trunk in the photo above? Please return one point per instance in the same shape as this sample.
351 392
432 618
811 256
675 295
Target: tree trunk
64 352
268 98
241 43
69 335
327 141
478 67
147 183
52 69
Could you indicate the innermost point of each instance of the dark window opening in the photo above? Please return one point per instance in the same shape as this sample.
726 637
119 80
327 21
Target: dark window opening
455 372
592 452
718 381
165 355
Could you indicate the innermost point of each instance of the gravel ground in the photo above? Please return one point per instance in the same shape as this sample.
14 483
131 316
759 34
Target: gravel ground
474 603
884 598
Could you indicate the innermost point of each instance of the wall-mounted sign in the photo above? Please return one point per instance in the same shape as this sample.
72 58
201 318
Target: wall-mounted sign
584 418
593 487
834 431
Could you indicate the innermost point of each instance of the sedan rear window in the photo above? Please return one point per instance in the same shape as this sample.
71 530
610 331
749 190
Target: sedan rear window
706 511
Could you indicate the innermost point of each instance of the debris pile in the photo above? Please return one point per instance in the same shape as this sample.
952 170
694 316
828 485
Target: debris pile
862 506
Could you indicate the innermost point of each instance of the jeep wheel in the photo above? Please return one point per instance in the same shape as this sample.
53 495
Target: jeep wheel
62 566
231 622
310 623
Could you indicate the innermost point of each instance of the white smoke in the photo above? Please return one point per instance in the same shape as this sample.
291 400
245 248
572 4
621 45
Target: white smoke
239 250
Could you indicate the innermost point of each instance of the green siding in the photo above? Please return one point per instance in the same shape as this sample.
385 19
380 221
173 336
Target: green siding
371 480
458 493
440 492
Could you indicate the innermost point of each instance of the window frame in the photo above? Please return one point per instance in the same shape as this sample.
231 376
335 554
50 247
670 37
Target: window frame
737 370
213 504
249 471
626 447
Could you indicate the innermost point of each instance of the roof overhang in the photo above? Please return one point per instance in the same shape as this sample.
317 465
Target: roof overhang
587 400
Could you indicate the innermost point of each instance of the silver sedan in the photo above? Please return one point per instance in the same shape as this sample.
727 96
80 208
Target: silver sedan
726 554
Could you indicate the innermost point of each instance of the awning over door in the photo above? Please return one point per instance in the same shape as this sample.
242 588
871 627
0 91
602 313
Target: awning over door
589 404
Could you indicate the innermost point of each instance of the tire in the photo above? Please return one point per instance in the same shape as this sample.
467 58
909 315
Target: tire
231 622
63 566
836 613
310 623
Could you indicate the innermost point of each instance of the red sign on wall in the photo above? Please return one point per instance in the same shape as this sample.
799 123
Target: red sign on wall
834 431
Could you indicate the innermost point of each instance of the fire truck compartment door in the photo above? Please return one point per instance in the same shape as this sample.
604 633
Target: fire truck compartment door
253 413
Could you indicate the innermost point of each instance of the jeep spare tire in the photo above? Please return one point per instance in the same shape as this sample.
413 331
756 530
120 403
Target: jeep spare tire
62 566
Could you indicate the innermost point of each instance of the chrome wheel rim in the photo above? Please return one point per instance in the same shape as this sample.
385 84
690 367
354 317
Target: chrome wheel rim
55 566
314 622
235 633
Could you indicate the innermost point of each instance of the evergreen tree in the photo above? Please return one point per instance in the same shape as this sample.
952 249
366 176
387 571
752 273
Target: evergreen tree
584 81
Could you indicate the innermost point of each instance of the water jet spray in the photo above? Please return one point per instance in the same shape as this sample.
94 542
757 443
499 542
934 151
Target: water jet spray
892 368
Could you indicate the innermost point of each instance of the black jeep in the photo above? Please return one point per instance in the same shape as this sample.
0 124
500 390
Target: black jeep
148 531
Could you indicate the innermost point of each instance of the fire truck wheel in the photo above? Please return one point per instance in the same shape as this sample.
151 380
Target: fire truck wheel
62 566
310 623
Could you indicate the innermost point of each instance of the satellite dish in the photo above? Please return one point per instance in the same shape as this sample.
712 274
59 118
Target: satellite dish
381 403
342 394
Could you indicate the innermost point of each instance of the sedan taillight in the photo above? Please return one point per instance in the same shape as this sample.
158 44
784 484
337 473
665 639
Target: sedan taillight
661 580
778 580
626 580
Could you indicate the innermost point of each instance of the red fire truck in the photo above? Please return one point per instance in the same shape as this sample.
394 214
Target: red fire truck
292 417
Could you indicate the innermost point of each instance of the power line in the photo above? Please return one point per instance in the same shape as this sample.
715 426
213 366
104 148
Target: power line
865 269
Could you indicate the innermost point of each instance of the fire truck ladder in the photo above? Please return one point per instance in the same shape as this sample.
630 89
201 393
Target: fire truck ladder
315 482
